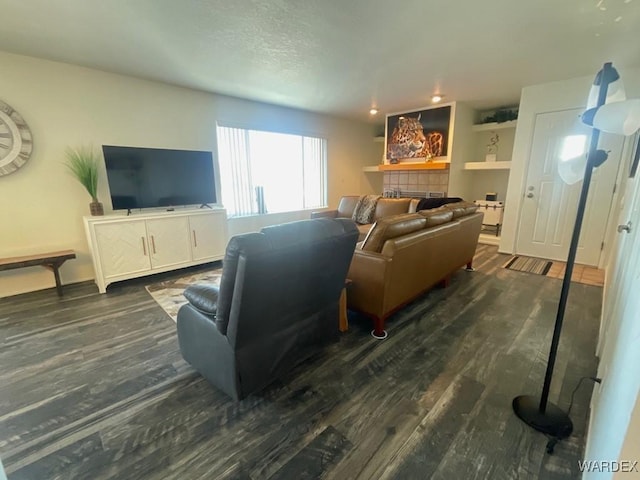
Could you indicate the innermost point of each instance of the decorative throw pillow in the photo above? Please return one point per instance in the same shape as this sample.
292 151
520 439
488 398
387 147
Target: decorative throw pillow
365 209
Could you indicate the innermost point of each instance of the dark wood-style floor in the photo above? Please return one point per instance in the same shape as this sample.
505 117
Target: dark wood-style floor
93 387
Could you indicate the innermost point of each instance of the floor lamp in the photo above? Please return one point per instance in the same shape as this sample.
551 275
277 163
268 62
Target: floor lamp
607 111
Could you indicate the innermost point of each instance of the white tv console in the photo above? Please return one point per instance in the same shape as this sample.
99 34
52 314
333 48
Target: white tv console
125 247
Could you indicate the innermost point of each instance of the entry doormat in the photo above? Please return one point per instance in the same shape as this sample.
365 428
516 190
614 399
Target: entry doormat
169 295
528 264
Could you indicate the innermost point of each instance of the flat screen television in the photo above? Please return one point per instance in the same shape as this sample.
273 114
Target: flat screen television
153 177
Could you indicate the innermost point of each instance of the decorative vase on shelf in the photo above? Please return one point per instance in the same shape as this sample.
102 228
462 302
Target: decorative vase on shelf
96 208
492 148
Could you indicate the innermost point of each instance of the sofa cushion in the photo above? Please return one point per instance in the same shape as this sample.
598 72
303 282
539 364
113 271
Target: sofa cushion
391 206
413 205
436 216
347 205
364 230
392 227
460 209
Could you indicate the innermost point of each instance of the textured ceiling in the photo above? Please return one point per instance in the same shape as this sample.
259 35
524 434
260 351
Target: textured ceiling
334 56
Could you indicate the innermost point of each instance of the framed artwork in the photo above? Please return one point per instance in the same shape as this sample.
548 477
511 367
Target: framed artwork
16 142
418 135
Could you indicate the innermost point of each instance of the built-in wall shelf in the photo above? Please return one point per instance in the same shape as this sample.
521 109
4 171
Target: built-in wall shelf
407 166
379 139
487 165
485 127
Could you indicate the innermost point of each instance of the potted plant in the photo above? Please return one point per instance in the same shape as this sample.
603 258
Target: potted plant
83 165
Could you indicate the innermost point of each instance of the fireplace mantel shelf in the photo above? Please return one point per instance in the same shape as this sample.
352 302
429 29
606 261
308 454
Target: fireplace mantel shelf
406 166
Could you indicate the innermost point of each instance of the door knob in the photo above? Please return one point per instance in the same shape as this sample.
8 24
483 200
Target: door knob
529 195
625 228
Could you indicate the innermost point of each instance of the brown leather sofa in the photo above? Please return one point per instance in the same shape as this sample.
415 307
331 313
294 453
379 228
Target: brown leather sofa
404 255
384 208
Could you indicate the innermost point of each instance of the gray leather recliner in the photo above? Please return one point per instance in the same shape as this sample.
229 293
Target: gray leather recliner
277 304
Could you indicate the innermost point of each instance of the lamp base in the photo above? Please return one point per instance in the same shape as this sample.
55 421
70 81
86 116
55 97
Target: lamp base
553 421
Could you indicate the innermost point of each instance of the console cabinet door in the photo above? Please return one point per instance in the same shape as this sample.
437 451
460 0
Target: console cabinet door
208 236
168 241
122 248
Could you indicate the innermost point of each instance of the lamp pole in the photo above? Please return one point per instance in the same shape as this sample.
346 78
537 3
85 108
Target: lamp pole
543 415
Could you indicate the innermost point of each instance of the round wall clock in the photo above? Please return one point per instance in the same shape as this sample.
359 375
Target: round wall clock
15 140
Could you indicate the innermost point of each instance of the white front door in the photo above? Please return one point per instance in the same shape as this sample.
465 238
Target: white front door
550 206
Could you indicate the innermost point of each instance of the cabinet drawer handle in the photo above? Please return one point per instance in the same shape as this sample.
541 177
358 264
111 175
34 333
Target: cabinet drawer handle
144 249
153 244
195 240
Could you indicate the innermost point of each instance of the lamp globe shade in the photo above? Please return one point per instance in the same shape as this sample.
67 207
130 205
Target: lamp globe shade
615 87
621 118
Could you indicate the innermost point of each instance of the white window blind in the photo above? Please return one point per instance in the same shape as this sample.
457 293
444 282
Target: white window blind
266 172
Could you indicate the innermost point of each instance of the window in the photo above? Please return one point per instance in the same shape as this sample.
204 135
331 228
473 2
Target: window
573 146
266 172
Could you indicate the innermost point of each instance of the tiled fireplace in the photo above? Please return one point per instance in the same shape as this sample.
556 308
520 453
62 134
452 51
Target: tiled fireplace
408 183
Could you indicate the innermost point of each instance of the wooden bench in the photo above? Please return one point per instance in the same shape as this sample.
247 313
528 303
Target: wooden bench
51 260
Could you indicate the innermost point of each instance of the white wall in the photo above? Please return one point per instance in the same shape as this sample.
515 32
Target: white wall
460 148
548 97
65 105
631 447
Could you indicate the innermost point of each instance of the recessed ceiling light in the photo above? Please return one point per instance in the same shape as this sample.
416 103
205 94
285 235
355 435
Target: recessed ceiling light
618 19
436 98
373 111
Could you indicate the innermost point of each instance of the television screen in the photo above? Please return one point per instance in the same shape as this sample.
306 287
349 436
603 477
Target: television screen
153 177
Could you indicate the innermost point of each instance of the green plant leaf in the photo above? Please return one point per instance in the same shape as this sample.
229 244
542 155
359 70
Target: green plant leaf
82 163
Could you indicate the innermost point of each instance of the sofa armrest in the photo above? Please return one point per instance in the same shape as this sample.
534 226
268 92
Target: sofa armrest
369 274
324 214
206 349
203 297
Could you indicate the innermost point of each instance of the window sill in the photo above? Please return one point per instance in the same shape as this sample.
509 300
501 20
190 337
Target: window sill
270 214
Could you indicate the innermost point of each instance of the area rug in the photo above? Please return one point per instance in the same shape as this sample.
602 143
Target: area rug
528 264
169 295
